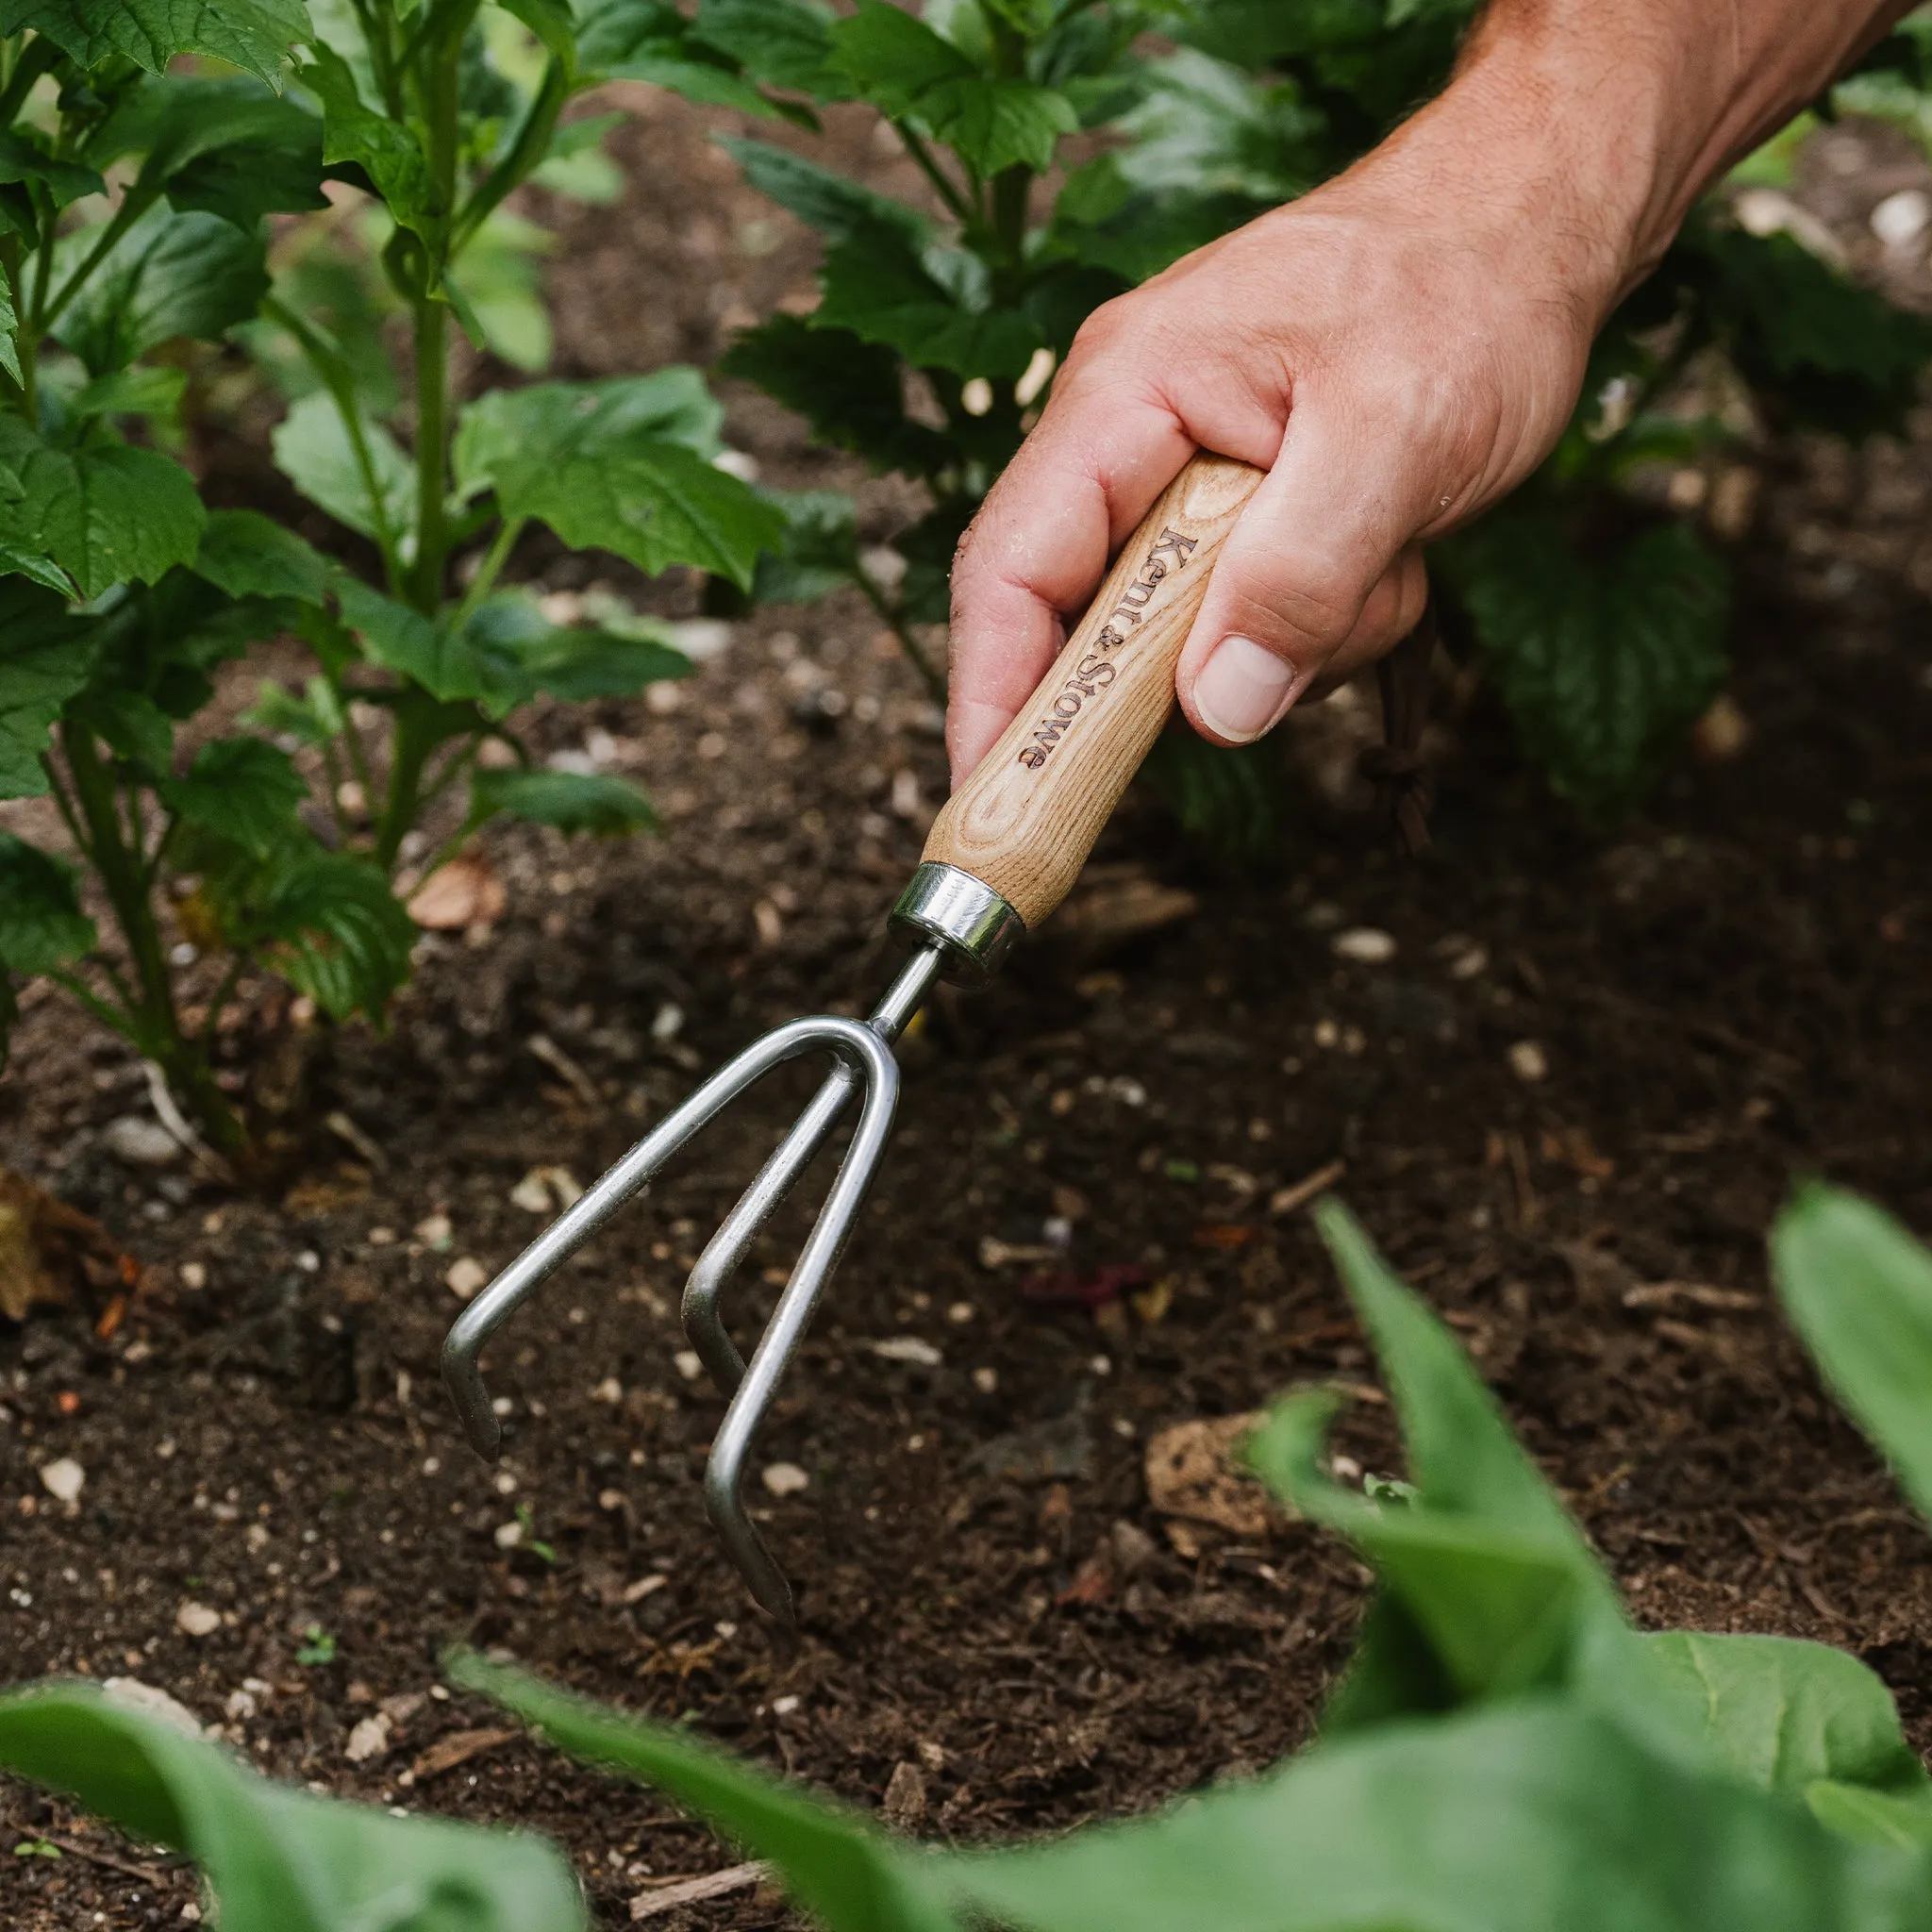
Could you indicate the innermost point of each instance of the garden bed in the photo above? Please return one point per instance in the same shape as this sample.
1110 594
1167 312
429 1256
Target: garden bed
1729 990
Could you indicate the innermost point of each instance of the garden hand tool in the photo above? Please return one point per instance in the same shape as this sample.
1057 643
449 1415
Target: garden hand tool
1002 854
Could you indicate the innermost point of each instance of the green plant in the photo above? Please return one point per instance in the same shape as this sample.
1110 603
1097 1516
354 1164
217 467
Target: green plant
121 596
1505 1752
1602 622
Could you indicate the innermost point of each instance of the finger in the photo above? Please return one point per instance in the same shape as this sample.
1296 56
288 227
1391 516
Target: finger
1299 572
1393 608
1040 545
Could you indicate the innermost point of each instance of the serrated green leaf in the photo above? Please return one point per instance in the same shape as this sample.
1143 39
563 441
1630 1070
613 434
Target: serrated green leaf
313 451
1604 662
135 728
388 152
819 552
171 275
907 70
152 390
253 35
1857 1287
343 937
644 40
450 664
239 789
554 22
783 43
42 924
105 512
47 657
850 390
598 463
839 209
23 158
279 1858
249 555
570 800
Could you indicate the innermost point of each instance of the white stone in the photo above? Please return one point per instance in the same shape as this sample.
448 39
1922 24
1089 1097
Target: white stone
369 1739
198 1619
137 1142
1900 219
1528 1061
1367 946
908 1348
785 1478
689 1365
465 1276
509 1534
63 1480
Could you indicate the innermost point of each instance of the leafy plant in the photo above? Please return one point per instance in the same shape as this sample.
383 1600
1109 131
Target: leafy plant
121 594
1506 1750
934 339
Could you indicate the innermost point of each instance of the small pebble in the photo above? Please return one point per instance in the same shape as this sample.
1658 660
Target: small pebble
509 1534
1528 1061
194 1275
908 1348
135 1141
784 1706
63 1480
1900 219
198 1619
610 1389
465 1276
434 1231
785 1478
1367 946
986 1380
369 1739
688 1366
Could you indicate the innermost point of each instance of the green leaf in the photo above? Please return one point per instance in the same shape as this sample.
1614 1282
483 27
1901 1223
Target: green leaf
249 555
152 390
344 939
135 729
240 789
876 287
597 462
835 1866
1523 1818
554 22
46 659
388 152
1858 1289
570 800
450 664
570 661
313 718
42 924
1603 662
850 390
819 552
783 43
1230 800
839 209
313 451
171 275
9 332
1870 1817
253 35
1784 1715
501 280
278 1858
105 512
909 71
23 158
644 39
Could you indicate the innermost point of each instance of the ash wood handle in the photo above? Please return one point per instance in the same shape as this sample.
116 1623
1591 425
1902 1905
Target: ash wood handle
1026 820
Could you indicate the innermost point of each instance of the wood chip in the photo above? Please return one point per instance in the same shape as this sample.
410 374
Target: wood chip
1662 1294
674 1892
460 1747
1286 1200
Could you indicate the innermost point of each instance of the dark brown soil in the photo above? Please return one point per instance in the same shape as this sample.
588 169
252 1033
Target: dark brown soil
1730 990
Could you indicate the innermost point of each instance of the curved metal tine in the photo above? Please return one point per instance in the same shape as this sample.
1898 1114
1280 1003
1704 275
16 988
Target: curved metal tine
571 1229
704 1326
872 1059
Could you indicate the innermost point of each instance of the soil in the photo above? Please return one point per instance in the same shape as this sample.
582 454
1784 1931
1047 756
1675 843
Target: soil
997 1625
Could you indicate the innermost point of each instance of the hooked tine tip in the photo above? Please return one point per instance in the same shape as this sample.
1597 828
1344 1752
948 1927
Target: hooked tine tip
464 1381
745 1547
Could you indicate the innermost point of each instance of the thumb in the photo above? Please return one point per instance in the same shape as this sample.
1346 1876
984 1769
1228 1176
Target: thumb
1317 576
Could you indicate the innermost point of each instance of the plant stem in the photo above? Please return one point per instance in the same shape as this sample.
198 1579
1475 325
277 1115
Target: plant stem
432 432
131 210
889 616
410 750
488 570
928 166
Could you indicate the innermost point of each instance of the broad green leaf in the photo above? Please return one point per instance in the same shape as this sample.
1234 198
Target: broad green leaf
171 275
388 152
836 1865
281 1861
47 657
1784 1715
249 555
313 718
820 550
876 287
570 800
500 277
1871 1817
839 209
554 22
152 390
240 789
647 40
105 512
577 166
570 661
783 43
135 729
313 451
598 463
448 663
1603 662
907 70
23 158
1858 1289
253 35
850 390
1528 1817
42 924
344 939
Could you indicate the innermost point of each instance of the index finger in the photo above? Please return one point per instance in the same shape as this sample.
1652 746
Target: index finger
1037 551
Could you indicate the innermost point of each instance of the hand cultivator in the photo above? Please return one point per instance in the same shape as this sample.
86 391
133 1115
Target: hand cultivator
1002 855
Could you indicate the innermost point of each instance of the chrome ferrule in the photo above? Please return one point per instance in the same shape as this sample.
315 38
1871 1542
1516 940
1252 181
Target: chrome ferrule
972 927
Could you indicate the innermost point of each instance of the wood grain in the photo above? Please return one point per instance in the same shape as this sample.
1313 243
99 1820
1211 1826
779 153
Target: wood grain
1025 822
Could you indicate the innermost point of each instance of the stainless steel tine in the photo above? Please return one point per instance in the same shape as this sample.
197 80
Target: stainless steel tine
570 1230
704 1325
732 1445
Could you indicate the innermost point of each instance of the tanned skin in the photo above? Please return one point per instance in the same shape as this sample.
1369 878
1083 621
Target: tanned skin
1399 348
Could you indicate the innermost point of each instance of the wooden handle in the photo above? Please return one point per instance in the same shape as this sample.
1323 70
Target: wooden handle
1026 820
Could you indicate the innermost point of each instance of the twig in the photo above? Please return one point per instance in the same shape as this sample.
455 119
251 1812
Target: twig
1286 1200
146 1873
554 1056
176 1124
692 1891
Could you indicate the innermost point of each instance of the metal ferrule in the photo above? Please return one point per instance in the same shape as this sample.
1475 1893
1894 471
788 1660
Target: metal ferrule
972 926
